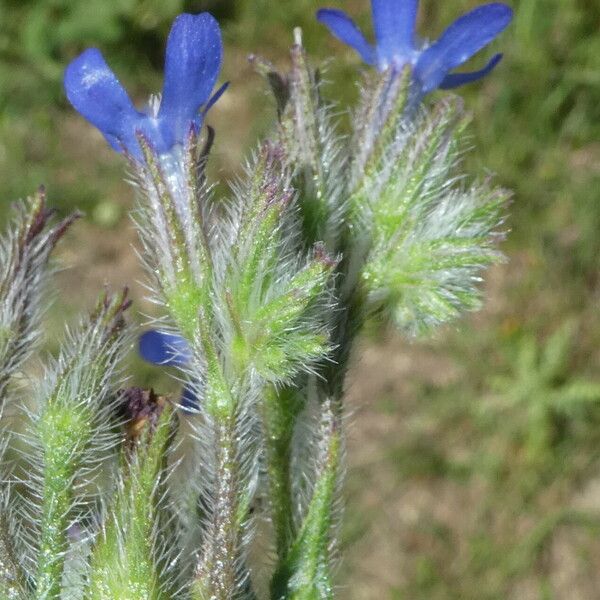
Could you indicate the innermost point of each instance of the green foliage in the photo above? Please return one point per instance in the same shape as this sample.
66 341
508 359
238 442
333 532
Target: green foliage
540 395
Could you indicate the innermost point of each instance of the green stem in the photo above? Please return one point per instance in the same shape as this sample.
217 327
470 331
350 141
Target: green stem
307 557
280 409
220 572
305 574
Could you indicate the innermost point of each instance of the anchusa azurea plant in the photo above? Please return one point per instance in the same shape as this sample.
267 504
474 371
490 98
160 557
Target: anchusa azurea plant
114 492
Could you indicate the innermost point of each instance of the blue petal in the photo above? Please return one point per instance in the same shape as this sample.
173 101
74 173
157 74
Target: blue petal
189 400
455 79
345 30
161 348
394 22
97 95
465 37
215 97
192 64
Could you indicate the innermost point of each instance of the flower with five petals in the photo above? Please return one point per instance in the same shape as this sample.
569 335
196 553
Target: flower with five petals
397 45
193 61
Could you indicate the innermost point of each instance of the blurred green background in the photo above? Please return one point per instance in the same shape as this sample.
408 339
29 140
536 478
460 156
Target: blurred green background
475 456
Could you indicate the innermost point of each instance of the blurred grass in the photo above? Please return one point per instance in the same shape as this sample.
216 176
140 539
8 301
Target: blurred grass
536 126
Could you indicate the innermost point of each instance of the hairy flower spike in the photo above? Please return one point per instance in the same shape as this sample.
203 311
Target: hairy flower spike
70 433
129 559
192 64
25 251
429 239
313 151
24 257
396 45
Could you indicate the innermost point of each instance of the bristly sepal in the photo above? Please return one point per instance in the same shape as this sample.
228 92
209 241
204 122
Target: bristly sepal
431 234
24 254
313 148
386 99
131 557
175 225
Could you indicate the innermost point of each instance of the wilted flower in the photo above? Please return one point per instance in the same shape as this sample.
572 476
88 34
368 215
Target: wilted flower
396 43
193 61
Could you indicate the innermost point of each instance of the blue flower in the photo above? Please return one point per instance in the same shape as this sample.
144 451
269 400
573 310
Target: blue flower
167 349
397 45
193 61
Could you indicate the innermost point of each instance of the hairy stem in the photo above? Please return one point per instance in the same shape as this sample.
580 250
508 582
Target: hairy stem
305 574
218 575
279 416
307 556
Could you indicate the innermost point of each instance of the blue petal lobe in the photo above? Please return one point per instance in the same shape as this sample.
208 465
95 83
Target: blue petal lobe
215 97
95 92
465 37
192 64
345 30
455 79
162 348
189 400
394 22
